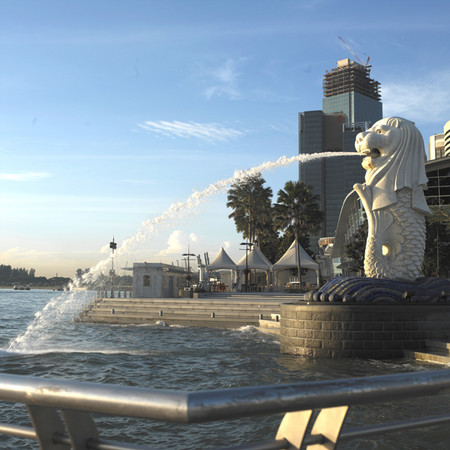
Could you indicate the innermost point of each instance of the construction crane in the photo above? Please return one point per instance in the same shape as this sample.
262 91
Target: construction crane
353 53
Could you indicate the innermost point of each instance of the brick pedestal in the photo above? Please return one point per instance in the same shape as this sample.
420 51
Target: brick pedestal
328 330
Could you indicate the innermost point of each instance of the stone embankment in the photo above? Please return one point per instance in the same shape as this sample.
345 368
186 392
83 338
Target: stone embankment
227 310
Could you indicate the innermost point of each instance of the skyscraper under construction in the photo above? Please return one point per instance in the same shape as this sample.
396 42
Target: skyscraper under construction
349 89
351 104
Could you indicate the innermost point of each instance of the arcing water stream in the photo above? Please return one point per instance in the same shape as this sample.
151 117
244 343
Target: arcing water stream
178 209
64 307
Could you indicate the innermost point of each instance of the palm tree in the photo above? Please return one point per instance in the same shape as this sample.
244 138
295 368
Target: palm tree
251 204
297 210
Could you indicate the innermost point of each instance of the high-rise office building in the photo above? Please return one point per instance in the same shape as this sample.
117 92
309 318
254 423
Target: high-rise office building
436 146
349 89
439 144
351 104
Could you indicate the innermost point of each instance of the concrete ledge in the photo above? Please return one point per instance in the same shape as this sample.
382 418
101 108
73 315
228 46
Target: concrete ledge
269 326
360 330
427 356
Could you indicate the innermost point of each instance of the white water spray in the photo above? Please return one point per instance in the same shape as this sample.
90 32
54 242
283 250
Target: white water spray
39 335
48 330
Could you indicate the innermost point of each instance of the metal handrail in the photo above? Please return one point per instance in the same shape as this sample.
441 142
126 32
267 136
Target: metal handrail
195 407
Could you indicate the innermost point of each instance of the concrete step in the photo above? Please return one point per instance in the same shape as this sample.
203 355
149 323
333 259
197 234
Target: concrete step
217 322
186 309
106 305
150 302
140 317
224 313
427 356
436 351
269 326
191 303
438 346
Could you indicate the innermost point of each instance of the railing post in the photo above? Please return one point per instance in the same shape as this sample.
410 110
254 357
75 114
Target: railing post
293 428
328 424
80 428
46 423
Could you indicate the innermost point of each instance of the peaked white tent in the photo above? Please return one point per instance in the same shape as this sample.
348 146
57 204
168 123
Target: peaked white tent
290 258
256 260
223 262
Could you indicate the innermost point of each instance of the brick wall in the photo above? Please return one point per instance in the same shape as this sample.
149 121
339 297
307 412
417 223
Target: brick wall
360 331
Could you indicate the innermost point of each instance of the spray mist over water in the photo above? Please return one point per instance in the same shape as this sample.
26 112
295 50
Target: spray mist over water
48 330
41 331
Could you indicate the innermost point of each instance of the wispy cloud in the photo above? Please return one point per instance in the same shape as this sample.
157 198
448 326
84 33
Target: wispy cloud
223 80
24 176
211 132
425 99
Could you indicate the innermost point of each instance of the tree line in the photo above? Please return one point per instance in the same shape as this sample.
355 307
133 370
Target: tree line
10 276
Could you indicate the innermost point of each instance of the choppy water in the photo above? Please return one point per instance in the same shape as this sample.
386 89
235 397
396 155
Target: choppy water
37 337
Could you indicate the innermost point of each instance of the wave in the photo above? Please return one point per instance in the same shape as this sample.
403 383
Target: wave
56 350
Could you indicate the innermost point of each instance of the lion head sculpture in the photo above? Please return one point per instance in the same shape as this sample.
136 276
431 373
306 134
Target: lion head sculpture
394 158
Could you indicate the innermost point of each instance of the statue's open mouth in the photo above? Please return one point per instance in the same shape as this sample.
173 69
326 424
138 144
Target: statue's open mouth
372 152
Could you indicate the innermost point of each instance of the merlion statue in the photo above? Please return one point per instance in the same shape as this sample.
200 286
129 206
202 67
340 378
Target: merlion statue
393 198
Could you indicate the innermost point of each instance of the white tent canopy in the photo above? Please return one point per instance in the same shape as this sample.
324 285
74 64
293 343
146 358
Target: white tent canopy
256 260
290 258
222 261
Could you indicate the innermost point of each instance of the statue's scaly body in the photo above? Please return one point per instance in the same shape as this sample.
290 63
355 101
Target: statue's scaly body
396 243
393 198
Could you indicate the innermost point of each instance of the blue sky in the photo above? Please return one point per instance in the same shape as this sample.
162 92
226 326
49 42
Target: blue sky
111 111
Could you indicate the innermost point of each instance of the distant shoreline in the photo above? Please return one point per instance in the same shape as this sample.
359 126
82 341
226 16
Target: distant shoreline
32 288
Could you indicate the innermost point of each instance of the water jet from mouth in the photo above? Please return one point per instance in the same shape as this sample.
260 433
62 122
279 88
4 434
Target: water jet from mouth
180 209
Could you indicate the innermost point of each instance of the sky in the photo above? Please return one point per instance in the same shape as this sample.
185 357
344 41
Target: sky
116 117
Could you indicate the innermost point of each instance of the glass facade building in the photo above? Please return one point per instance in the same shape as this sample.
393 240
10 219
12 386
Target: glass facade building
351 104
357 107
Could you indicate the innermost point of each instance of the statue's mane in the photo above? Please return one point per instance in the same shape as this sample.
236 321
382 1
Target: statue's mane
405 169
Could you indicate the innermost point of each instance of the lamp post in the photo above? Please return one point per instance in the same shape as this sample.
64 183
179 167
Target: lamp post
188 257
112 246
247 245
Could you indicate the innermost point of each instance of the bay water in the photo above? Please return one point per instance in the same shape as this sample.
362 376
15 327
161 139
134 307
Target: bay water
38 337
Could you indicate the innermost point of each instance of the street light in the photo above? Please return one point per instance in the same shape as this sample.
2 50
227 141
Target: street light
247 245
188 257
112 246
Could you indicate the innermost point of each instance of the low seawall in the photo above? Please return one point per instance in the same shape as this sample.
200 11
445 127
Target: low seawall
360 331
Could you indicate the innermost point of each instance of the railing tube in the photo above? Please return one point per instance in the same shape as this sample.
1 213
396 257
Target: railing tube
262 400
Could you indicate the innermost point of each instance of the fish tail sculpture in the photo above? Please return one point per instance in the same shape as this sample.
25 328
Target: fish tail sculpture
393 198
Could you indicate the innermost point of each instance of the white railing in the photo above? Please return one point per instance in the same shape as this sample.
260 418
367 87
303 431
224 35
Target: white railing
60 411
